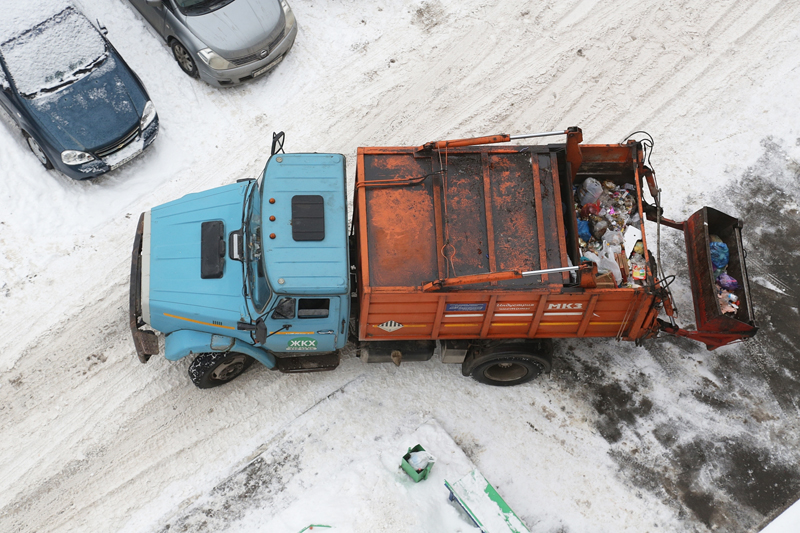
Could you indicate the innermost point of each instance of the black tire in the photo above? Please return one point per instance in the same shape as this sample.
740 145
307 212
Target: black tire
217 368
509 363
38 151
184 59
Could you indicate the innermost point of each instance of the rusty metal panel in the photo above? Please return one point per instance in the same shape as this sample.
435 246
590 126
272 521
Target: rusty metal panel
464 215
555 248
401 236
440 226
516 225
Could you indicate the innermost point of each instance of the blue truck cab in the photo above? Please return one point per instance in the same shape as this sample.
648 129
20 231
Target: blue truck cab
256 270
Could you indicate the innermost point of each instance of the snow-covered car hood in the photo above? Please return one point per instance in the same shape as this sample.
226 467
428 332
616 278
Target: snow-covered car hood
178 295
93 112
241 28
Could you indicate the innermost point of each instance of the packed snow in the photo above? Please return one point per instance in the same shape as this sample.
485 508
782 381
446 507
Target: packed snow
661 437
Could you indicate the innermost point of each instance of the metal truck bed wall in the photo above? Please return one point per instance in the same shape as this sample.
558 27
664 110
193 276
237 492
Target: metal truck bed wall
496 208
697 231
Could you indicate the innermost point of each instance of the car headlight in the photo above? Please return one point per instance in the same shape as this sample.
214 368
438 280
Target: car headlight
290 19
214 60
148 115
74 157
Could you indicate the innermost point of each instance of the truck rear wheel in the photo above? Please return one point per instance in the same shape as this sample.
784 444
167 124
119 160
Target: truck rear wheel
216 368
509 363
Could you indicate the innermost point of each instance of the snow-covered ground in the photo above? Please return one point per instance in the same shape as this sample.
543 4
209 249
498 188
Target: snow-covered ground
663 437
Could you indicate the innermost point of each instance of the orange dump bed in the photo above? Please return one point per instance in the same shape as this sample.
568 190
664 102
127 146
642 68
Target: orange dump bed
436 213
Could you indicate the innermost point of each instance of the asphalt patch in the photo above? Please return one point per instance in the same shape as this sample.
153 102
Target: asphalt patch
736 471
258 484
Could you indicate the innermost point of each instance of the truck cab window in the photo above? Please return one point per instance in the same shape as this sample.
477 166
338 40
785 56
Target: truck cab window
284 309
254 260
313 308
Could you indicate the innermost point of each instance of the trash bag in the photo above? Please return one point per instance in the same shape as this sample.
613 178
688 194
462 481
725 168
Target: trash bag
420 460
590 191
613 237
720 255
589 210
727 282
584 232
605 264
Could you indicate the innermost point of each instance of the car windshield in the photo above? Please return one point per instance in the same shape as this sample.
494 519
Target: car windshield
54 53
254 258
200 7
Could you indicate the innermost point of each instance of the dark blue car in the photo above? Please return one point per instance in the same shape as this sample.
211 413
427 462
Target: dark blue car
80 107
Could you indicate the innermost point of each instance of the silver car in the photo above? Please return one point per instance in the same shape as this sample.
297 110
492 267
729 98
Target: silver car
223 42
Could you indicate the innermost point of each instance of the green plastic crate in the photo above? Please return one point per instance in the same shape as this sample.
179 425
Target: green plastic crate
413 474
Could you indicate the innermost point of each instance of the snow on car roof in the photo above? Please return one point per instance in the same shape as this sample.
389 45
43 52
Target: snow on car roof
55 51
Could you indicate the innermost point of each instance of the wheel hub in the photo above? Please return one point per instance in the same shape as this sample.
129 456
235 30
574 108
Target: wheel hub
37 150
182 55
507 371
228 370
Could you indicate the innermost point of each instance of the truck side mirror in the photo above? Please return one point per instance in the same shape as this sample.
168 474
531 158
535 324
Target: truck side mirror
261 331
259 327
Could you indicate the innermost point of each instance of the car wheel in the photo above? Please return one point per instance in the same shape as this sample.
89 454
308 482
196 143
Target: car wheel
38 151
506 364
216 368
184 59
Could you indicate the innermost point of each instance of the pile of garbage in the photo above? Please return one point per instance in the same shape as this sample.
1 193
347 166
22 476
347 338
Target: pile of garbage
609 231
726 284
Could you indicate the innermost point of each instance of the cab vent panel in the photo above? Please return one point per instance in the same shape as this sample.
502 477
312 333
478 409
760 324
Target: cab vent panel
308 218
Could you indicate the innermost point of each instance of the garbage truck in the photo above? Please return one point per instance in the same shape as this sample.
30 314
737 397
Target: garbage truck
479 250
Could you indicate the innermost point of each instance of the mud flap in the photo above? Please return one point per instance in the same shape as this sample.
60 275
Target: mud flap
714 328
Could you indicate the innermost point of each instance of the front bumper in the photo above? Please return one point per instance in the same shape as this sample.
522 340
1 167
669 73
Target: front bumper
235 76
144 340
115 160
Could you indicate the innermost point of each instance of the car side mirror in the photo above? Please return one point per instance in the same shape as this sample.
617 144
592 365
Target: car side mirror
101 27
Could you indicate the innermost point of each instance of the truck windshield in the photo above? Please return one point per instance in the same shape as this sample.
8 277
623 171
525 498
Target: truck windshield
254 260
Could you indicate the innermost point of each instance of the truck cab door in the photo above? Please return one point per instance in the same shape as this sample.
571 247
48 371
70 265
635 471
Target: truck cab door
303 324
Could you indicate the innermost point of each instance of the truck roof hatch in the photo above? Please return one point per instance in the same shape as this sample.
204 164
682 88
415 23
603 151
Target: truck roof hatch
308 217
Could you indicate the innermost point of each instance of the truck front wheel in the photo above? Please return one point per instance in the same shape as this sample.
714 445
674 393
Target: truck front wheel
508 363
215 368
